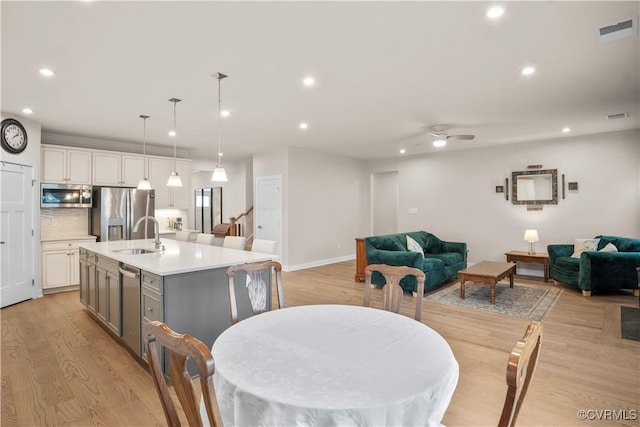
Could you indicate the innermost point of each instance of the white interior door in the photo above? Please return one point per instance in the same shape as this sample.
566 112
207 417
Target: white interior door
384 200
268 212
16 224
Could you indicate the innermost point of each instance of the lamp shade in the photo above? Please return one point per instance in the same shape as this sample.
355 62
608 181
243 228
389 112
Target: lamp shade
174 180
219 174
531 235
144 184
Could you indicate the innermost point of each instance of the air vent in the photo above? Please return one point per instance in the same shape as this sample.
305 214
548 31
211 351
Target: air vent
618 31
618 116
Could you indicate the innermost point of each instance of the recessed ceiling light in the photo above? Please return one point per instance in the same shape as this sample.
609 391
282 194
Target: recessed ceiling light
308 81
566 130
495 12
27 110
402 151
172 133
303 126
47 72
440 142
225 113
527 71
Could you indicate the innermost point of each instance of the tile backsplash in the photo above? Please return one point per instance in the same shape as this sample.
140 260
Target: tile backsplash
64 222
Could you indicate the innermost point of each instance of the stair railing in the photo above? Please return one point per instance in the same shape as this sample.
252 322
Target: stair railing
234 222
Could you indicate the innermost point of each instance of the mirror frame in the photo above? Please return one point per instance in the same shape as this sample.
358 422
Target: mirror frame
554 187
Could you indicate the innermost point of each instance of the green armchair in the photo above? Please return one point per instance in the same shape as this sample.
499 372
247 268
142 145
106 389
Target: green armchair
597 271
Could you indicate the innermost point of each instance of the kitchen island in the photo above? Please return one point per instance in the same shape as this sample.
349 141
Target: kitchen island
184 284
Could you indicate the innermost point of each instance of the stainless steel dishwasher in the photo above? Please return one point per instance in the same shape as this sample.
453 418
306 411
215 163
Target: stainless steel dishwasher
130 279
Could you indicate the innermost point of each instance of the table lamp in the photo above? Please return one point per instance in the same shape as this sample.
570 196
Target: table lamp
531 236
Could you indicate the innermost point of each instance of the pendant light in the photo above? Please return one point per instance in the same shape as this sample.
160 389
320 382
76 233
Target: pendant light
219 174
174 179
144 183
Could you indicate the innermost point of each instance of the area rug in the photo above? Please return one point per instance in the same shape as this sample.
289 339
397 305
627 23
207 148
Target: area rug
630 323
524 301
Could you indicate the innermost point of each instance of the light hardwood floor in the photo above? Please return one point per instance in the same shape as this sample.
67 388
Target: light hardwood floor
60 368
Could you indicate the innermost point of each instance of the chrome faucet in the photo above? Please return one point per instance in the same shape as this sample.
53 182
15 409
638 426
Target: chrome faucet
156 228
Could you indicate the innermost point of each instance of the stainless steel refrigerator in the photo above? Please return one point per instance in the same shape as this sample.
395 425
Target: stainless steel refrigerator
208 208
115 211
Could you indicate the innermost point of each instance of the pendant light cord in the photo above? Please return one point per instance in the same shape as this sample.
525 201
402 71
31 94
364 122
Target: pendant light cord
219 114
176 134
144 144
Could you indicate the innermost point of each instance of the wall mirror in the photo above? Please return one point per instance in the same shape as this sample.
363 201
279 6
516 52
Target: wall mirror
535 187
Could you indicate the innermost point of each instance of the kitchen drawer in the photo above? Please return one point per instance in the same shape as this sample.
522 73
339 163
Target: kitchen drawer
92 257
52 246
107 263
152 281
151 306
83 254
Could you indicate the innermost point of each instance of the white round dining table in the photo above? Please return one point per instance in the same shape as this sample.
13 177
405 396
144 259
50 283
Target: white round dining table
332 365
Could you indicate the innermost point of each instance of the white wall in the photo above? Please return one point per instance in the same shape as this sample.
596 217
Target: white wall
327 205
456 200
30 156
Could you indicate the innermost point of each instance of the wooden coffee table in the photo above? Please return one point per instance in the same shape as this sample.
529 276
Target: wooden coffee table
489 273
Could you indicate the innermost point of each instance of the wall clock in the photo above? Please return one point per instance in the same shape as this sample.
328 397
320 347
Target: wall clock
13 136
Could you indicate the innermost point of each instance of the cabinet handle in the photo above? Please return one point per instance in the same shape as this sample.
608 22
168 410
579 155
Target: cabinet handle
150 309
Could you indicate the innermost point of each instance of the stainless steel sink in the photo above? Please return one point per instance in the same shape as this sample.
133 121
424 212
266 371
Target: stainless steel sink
135 251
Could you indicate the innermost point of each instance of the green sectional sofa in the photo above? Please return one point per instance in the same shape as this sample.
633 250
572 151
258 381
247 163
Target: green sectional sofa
595 270
439 260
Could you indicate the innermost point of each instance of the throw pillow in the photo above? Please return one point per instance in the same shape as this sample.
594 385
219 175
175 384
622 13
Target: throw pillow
582 245
414 246
610 247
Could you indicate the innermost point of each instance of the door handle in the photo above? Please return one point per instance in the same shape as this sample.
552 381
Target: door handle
259 226
1 243
128 273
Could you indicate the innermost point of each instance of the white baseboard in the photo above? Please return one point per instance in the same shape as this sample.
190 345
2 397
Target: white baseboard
318 263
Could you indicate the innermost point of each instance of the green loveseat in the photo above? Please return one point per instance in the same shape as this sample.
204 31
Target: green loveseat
595 271
440 260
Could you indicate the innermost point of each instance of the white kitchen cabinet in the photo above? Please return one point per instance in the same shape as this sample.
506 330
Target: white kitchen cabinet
61 263
116 169
65 165
132 169
170 197
159 171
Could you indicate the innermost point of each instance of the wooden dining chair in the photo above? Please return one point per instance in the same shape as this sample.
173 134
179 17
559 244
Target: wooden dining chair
180 348
205 239
392 293
256 286
234 242
520 369
263 246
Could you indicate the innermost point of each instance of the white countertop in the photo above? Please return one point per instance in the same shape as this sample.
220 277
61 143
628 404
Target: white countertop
178 257
170 231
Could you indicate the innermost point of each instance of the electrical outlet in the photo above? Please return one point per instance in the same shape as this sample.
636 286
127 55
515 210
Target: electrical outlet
413 210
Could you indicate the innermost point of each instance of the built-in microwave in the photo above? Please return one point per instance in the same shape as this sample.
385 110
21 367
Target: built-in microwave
65 196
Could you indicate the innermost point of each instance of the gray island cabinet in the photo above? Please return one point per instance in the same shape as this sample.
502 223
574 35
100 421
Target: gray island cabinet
184 286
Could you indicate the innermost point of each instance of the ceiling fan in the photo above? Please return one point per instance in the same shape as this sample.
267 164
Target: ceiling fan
440 136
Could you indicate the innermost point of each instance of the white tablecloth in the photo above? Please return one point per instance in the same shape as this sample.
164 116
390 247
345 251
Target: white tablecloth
333 365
